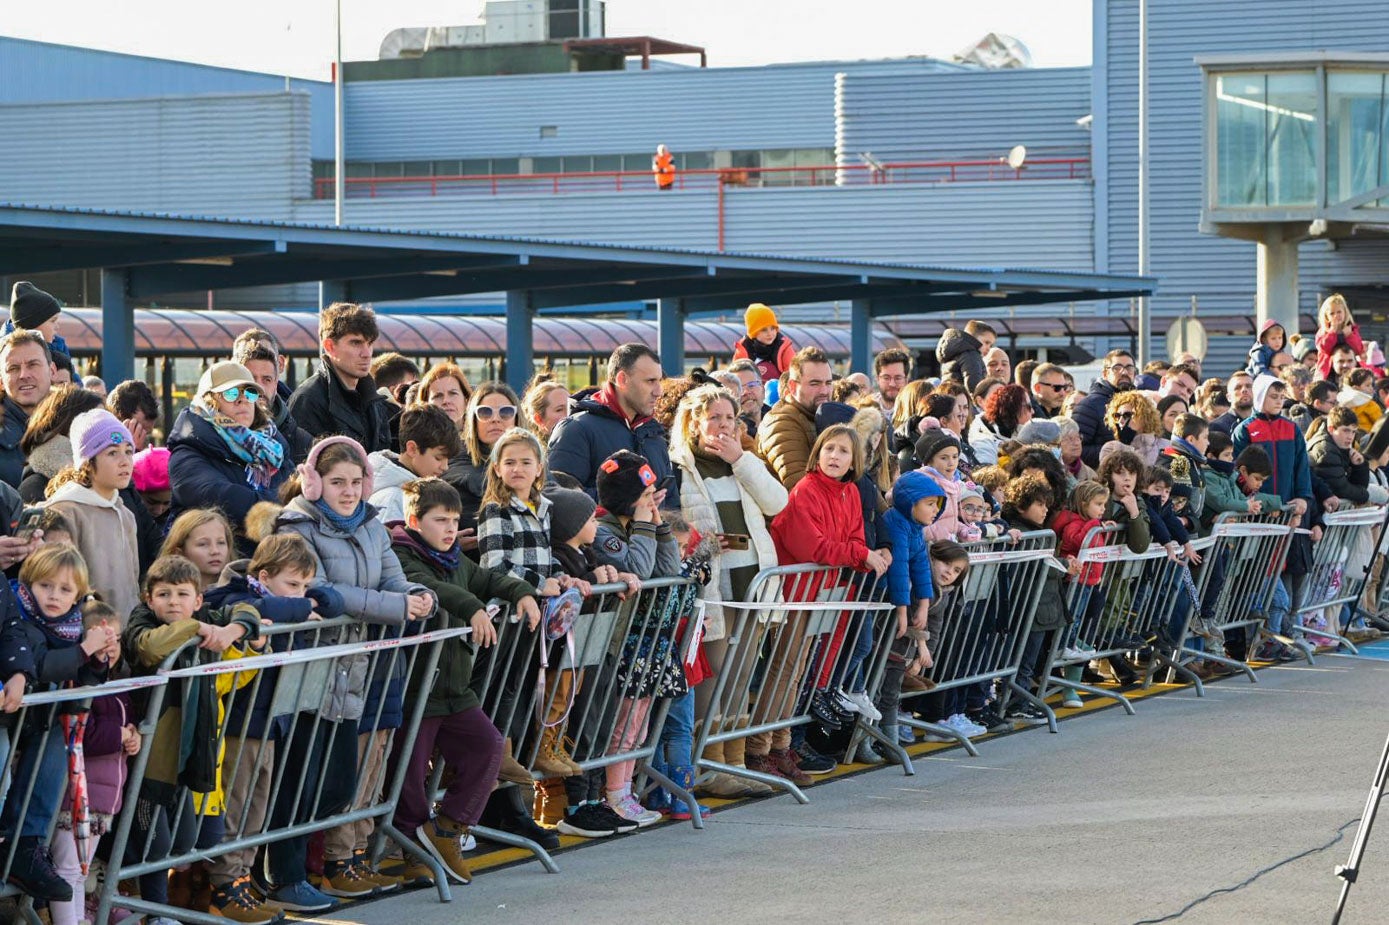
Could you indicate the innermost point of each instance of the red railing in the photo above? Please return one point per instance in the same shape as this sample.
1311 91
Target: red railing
960 171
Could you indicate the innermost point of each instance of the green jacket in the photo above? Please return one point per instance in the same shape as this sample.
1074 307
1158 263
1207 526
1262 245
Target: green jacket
462 593
1138 535
1223 495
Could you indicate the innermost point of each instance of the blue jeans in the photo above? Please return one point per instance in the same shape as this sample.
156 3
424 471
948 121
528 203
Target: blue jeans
43 760
676 747
1280 609
863 647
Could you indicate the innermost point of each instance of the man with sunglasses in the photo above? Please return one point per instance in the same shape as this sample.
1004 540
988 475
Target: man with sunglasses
340 397
617 417
1049 390
1117 376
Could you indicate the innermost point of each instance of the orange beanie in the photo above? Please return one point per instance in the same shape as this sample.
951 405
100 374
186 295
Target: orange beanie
757 317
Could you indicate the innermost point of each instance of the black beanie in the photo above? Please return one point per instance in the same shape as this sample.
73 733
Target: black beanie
30 306
932 442
833 412
570 509
622 477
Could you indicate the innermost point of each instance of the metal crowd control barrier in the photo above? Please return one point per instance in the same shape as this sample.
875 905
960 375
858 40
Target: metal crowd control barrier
978 629
793 638
1130 604
1237 580
1340 567
597 693
37 770
314 774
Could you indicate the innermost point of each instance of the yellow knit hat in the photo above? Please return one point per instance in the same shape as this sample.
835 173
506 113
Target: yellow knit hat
757 317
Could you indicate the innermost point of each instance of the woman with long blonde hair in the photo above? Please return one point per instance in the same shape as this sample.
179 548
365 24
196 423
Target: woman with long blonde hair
1134 420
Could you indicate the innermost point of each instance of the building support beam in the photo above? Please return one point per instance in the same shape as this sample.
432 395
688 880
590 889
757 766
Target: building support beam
332 290
520 345
670 321
117 327
1277 278
861 336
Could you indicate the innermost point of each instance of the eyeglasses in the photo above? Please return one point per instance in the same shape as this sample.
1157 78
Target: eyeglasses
1125 367
236 391
1123 416
487 412
753 386
1056 387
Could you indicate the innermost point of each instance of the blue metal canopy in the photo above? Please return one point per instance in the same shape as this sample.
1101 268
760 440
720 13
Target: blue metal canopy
144 255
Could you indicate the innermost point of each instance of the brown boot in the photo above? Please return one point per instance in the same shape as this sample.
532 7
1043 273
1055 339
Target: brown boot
735 753
512 770
181 888
550 758
550 801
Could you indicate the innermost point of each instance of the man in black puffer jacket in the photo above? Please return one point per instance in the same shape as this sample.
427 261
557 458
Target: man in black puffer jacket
340 397
617 417
1118 373
961 353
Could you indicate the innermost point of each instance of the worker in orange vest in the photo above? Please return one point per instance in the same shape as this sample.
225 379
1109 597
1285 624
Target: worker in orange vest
663 165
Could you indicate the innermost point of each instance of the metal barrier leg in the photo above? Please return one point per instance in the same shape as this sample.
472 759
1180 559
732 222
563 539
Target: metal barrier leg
386 828
685 796
771 780
864 730
1076 686
1224 660
1038 702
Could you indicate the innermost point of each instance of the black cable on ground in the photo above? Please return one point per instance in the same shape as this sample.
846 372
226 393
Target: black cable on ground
1340 833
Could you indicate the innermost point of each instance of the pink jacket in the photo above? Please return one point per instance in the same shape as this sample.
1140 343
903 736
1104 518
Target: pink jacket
1327 341
948 523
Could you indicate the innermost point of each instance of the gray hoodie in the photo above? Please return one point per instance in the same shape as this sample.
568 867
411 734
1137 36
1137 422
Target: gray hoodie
390 475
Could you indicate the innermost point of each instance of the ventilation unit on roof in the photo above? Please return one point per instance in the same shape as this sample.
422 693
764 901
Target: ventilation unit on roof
504 22
996 51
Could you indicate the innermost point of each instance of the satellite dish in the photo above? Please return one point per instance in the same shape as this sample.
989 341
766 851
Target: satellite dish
1017 157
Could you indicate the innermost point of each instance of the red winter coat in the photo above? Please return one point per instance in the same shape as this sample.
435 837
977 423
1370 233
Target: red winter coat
1327 341
1071 529
822 524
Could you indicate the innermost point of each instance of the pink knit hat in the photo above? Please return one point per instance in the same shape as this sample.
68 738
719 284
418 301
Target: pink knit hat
313 482
152 469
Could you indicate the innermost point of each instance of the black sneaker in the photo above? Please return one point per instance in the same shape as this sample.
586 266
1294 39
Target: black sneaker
1025 712
587 822
812 762
988 718
621 823
822 707
33 871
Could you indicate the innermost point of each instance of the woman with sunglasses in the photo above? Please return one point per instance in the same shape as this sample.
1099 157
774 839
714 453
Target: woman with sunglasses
490 412
224 452
1134 420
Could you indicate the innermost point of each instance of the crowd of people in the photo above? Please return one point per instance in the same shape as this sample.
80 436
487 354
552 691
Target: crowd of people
394 495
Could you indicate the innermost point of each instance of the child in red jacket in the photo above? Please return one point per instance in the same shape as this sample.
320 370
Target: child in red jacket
1084 512
822 524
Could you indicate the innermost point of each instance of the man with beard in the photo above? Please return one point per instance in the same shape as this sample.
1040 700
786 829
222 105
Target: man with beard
1116 376
788 431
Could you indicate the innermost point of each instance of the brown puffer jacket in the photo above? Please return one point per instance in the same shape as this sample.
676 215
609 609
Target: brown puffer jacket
784 439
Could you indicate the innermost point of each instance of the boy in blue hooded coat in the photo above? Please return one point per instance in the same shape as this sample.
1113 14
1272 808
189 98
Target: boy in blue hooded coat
916 503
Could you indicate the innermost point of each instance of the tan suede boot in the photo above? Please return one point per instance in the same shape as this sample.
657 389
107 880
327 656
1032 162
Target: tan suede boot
512 770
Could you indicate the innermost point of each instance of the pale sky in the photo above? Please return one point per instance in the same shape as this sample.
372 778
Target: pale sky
295 37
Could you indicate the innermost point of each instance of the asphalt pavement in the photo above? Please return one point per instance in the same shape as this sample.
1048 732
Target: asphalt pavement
1116 819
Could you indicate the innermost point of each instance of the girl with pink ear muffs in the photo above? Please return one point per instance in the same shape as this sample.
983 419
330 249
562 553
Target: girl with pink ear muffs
353 548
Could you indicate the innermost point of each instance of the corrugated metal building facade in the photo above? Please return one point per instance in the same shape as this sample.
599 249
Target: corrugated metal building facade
179 137
1219 272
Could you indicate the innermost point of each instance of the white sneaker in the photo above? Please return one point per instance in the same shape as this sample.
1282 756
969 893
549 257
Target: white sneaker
628 808
1072 701
864 704
1071 653
469 843
961 724
845 703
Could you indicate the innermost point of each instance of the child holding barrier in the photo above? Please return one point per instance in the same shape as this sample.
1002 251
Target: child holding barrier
276 582
186 753
822 524
337 765
454 723
916 503
43 645
634 539
110 737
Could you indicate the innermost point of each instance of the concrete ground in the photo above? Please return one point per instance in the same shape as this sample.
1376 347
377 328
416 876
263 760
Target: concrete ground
1116 819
